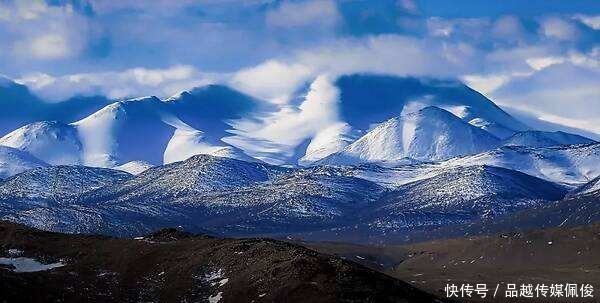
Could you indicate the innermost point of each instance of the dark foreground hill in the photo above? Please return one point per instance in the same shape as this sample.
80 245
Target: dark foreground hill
544 256
172 266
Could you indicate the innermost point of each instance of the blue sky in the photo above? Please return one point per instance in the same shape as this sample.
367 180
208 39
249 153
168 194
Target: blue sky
537 56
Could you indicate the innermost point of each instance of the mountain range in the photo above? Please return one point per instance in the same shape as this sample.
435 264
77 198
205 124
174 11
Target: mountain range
404 156
381 119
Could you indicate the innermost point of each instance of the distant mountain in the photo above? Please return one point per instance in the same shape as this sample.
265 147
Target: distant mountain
533 138
574 210
18 106
14 161
372 112
592 187
463 194
366 99
53 185
232 197
54 142
142 129
125 131
569 165
210 108
427 135
197 175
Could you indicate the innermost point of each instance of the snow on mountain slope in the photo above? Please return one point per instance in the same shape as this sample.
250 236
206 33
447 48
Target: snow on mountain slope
134 167
461 194
215 117
367 99
428 135
198 174
328 141
534 138
298 199
125 131
187 142
51 141
591 187
146 129
212 108
14 161
53 184
568 165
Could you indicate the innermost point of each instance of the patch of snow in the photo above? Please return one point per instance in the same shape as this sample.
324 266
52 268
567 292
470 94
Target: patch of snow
212 277
22 264
216 298
134 167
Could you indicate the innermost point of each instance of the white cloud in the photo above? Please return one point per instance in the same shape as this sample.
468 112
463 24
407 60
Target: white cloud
561 90
558 28
273 80
35 30
283 130
539 63
389 54
23 9
439 27
50 46
129 83
485 84
292 14
508 28
408 6
591 21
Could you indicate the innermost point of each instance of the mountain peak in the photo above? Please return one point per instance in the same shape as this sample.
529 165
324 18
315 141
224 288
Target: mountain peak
51 141
369 98
428 134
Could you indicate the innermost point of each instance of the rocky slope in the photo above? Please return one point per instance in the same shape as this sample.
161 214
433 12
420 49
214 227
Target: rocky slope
170 266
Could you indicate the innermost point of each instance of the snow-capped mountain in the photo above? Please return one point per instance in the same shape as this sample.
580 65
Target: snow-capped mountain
368 99
141 129
196 175
463 194
54 142
125 131
54 184
533 138
205 120
234 197
427 135
297 200
14 161
571 165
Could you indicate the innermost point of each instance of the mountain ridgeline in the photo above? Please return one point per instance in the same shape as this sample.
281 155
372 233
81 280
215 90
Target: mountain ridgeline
405 157
380 119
